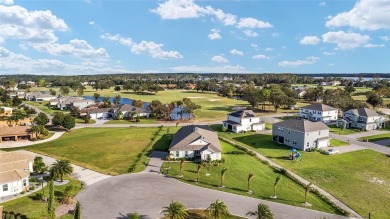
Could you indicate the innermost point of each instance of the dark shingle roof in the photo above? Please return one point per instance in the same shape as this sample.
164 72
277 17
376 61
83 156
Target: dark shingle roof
128 108
364 112
243 114
302 125
319 107
191 133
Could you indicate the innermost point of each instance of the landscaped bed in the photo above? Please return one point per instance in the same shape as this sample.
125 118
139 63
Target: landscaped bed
360 179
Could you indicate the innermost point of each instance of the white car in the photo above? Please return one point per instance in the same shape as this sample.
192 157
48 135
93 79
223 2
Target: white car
332 151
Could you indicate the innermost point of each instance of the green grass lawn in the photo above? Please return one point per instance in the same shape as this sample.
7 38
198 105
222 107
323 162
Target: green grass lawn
165 138
82 121
239 166
360 179
376 137
29 207
339 131
268 126
43 105
106 150
335 142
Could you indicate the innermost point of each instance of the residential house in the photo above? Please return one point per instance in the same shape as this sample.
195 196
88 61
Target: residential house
195 142
319 112
15 169
127 111
38 96
242 121
19 94
362 118
99 113
301 134
65 103
300 93
15 133
7 111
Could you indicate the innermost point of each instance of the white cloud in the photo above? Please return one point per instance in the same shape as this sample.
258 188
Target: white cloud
385 38
226 18
125 41
236 52
252 23
345 40
269 49
7 2
329 53
214 35
219 59
33 26
322 4
308 61
365 15
210 69
250 33
310 40
275 35
254 45
260 56
374 45
154 49
91 22
76 47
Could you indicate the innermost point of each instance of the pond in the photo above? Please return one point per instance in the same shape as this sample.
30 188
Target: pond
176 113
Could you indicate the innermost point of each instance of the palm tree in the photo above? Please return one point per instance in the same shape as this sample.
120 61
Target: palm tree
168 158
135 215
181 167
207 165
175 210
218 209
263 212
223 171
197 172
250 176
307 190
277 180
60 168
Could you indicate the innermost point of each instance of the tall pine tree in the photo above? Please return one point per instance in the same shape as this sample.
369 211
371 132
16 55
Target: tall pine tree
51 205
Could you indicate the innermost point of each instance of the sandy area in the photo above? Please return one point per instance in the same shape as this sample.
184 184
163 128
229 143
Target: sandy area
195 97
212 100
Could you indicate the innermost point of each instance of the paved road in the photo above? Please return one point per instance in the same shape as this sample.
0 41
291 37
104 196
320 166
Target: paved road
148 192
367 145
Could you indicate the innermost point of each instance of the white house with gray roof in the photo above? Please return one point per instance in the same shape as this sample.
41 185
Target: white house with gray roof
243 121
301 134
195 141
362 118
319 112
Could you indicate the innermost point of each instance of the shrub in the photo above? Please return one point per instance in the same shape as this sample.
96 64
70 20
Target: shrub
32 187
38 196
23 192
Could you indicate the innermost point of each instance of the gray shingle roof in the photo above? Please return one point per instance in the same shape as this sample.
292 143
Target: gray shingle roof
364 112
243 114
301 125
188 134
319 107
128 108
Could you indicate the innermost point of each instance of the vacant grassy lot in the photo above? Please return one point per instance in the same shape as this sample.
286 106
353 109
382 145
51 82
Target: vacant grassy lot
360 179
29 207
336 130
44 107
335 142
107 150
239 166
165 138
376 137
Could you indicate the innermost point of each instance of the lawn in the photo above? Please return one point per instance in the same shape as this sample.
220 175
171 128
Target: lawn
376 137
29 207
106 150
165 138
82 121
43 106
239 166
360 179
336 130
335 142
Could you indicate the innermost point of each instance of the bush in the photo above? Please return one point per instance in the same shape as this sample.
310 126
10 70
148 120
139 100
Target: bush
235 152
23 192
38 196
32 187
33 180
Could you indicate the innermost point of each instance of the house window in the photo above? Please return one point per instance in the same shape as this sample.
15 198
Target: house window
319 133
294 142
250 120
186 153
24 182
287 140
177 154
289 131
5 187
307 144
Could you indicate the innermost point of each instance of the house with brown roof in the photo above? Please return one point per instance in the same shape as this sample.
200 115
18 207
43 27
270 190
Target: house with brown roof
195 142
15 133
301 134
243 121
362 118
15 169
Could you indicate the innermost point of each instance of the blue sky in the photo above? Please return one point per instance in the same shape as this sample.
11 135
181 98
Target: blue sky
96 36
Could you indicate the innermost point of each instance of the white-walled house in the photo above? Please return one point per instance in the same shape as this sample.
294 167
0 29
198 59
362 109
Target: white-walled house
99 113
64 103
319 112
37 96
195 142
362 118
301 134
243 121
15 169
127 110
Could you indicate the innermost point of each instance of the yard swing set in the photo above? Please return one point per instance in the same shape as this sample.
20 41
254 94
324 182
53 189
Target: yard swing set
294 154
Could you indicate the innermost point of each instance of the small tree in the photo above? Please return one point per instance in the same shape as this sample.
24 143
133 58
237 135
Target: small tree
60 168
77 211
117 99
263 212
69 122
277 180
223 171
308 188
39 165
197 172
41 119
181 167
51 204
117 88
135 215
58 118
250 177
218 209
175 210
64 90
138 103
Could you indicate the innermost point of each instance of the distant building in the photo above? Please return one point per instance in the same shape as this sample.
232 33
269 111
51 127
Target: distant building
242 121
127 110
65 103
195 142
319 112
7 111
362 118
301 134
38 96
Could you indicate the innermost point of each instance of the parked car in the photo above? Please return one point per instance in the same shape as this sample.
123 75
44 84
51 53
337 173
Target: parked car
332 151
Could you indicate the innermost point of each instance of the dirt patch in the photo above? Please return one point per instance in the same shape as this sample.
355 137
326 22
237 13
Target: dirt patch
195 97
213 100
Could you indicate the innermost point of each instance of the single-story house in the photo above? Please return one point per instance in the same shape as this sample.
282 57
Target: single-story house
301 134
196 141
127 111
15 169
37 96
15 133
99 113
64 103
242 121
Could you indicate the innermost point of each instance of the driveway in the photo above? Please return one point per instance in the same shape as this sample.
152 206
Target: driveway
16 144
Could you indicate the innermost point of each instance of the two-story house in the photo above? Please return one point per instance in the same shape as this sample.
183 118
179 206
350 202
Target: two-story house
362 118
242 121
301 134
319 112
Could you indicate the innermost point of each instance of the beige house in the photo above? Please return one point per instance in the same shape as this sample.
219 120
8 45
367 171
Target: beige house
15 133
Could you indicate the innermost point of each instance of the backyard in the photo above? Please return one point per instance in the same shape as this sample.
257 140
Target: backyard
360 179
107 150
238 167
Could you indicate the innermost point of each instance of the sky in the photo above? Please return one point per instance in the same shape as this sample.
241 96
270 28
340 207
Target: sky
220 36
